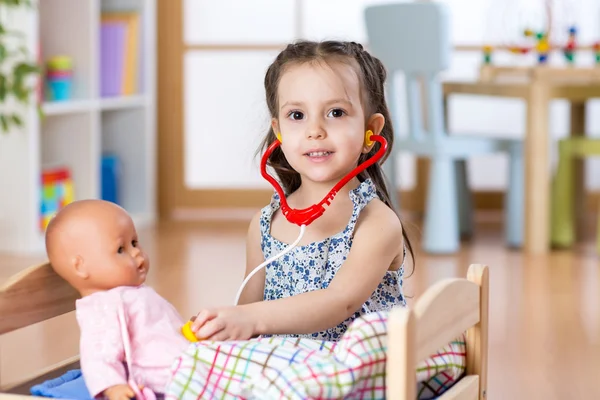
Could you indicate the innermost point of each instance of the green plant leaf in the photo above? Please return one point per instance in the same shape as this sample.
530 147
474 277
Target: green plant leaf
21 94
40 112
15 3
19 91
3 87
4 123
25 69
14 80
16 119
12 3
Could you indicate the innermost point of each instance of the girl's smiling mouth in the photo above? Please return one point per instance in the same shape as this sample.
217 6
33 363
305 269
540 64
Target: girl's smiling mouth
318 154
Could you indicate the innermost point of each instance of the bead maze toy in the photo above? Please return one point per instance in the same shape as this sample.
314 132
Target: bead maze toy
596 48
487 54
542 45
571 46
56 193
541 41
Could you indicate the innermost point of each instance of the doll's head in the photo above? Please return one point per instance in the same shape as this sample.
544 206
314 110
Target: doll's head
94 246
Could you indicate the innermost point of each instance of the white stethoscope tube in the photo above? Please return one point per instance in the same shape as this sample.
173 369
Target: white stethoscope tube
267 262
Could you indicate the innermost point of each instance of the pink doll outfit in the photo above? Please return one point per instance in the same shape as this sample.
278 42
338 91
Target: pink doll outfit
155 340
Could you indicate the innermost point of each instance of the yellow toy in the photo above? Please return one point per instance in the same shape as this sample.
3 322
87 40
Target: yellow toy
186 330
368 141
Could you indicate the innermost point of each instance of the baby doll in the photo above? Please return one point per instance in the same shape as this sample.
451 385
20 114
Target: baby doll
93 245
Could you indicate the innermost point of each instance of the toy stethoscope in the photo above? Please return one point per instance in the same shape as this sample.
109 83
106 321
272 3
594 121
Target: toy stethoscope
302 217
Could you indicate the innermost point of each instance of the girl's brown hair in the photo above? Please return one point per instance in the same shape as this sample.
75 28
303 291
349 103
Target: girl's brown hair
372 75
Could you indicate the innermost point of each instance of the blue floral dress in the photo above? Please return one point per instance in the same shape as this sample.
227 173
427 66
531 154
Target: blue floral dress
312 267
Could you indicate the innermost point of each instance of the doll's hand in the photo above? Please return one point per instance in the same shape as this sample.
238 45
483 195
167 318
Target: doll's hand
119 392
230 323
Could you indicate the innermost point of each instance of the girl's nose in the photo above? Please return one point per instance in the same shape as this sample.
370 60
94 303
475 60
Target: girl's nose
316 132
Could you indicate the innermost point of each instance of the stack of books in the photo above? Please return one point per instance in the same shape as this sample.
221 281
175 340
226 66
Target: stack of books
120 49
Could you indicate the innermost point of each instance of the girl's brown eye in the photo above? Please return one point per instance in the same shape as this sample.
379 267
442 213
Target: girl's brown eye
296 115
336 113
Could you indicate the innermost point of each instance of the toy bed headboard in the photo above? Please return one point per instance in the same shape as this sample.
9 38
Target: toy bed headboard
445 311
34 295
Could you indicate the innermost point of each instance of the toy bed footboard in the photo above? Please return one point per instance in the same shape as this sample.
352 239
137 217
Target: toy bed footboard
445 310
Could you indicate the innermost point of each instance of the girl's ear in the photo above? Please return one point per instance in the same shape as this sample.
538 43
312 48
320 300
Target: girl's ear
79 267
375 124
275 125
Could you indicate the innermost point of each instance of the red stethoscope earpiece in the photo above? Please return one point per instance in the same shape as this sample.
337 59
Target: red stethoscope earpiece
307 215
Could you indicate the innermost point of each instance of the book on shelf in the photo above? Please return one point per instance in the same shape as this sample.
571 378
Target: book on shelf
120 54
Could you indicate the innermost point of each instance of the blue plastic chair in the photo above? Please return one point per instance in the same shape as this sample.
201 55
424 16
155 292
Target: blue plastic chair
414 38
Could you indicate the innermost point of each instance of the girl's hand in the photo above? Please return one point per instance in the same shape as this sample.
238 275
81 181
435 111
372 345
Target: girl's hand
229 323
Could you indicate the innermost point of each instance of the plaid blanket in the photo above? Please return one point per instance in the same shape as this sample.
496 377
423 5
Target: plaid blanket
293 368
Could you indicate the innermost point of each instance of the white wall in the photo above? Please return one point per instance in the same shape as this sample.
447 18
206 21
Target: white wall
225 99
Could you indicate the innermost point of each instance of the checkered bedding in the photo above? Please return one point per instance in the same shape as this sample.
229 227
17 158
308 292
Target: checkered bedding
291 368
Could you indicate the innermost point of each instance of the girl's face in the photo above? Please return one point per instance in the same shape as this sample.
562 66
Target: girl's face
322 121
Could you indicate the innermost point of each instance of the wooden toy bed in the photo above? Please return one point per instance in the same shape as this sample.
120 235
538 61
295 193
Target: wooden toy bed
443 312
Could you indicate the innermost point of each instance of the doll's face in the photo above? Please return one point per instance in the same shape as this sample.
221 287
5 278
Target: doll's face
98 248
113 256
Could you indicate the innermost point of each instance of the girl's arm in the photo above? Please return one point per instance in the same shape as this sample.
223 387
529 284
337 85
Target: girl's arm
255 287
377 242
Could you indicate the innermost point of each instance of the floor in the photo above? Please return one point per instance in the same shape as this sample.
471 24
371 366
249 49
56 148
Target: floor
544 311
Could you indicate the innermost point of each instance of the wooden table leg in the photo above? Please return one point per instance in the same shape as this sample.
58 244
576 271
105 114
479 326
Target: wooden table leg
420 191
537 174
579 203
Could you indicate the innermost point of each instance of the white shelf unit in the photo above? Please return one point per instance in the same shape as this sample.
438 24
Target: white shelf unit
76 133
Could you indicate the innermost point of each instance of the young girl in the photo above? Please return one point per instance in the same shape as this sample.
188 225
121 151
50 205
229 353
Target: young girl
323 98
